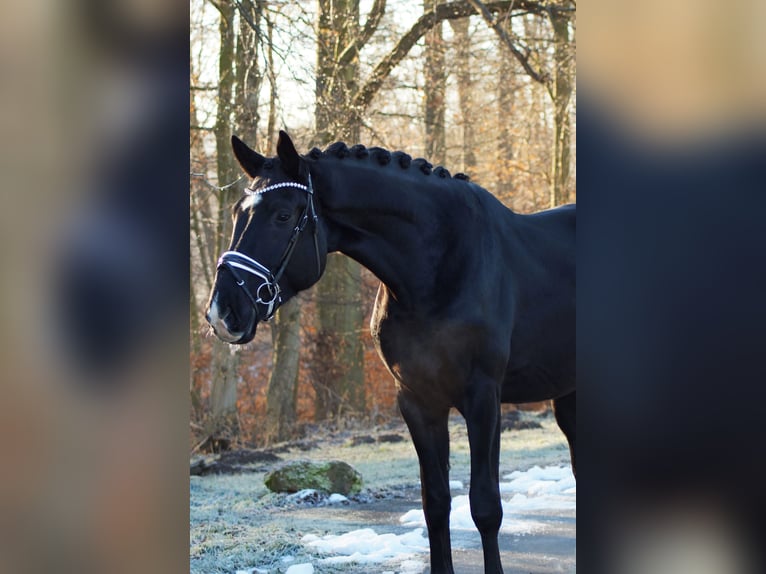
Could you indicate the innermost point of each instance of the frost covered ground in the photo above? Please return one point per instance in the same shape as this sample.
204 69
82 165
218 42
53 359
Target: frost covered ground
238 527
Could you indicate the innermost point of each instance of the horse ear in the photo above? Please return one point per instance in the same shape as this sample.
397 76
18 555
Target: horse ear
288 155
250 161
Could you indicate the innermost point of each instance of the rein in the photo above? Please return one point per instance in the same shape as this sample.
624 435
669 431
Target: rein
268 292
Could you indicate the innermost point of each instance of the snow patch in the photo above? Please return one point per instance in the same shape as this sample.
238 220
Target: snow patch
300 569
336 498
366 546
549 488
536 480
412 567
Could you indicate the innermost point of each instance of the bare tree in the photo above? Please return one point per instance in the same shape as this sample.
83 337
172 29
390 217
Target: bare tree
223 393
435 90
505 89
561 94
283 383
461 42
558 83
338 364
248 72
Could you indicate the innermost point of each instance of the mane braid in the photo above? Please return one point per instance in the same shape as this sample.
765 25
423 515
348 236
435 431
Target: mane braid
404 160
423 165
381 155
359 151
338 149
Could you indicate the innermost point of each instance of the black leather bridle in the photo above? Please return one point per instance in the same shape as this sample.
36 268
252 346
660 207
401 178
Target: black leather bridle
268 291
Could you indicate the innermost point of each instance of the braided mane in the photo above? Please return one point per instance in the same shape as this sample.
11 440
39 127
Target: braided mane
383 157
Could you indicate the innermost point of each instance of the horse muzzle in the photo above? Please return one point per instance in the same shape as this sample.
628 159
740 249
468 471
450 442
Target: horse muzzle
221 319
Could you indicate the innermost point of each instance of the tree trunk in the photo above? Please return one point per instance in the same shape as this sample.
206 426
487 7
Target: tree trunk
461 41
286 328
435 87
561 93
198 160
223 422
227 168
271 127
338 364
283 384
336 81
339 360
505 137
223 394
249 77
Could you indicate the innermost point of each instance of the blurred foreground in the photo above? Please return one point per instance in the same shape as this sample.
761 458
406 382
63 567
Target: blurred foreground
94 242
671 277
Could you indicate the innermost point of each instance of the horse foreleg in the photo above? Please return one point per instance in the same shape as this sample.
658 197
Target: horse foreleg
482 415
565 409
428 428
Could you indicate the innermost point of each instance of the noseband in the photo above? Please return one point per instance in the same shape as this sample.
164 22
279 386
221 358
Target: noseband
268 291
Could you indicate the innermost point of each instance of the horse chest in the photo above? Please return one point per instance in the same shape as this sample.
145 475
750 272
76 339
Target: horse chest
431 358
431 368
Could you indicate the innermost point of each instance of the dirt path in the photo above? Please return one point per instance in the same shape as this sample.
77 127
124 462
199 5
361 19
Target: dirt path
236 524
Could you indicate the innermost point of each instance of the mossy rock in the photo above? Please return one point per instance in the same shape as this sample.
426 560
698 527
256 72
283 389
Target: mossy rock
329 477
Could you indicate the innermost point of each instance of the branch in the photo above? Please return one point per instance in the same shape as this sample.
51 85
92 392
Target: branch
217 5
373 19
247 11
448 11
204 180
538 76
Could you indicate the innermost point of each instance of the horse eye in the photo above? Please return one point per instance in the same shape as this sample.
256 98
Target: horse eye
283 217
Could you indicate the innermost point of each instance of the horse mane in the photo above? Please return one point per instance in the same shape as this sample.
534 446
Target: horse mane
383 157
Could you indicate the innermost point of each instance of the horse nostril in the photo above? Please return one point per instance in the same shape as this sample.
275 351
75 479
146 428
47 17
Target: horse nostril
215 313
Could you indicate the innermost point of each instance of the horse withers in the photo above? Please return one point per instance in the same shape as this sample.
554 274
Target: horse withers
476 305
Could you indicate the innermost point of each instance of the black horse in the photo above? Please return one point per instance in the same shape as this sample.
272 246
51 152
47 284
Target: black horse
476 304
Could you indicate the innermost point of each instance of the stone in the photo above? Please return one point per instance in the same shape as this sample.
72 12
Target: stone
329 477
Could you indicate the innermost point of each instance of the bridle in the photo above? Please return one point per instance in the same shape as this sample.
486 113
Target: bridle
268 291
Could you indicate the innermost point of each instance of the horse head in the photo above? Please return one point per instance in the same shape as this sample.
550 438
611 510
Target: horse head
278 245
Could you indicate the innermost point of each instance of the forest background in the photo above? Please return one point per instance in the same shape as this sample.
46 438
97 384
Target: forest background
485 88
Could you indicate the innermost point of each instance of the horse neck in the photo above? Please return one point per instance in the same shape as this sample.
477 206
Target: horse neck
385 218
